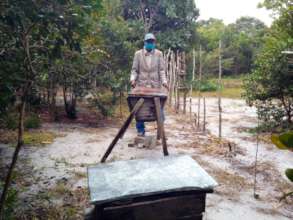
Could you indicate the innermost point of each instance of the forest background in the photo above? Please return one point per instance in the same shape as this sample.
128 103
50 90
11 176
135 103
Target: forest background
79 49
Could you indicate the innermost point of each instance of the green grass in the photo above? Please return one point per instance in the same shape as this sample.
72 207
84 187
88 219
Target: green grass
38 138
233 93
232 88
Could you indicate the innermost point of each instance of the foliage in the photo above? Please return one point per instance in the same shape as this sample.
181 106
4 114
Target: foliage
105 103
285 142
241 41
32 121
172 21
270 86
34 38
11 201
10 121
117 41
205 86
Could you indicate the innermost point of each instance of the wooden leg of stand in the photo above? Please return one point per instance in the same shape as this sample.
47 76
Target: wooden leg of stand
159 117
164 142
158 132
160 123
123 129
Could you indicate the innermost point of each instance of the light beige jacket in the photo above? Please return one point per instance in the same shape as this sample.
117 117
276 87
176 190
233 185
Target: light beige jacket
148 71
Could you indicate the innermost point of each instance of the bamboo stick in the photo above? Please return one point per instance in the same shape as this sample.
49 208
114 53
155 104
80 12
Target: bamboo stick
199 84
204 114
219 91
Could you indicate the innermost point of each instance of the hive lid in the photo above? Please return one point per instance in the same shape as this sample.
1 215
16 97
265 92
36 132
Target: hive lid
130 179
145 91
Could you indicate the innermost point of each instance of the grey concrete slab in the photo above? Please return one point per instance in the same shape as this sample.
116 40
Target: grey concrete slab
128 179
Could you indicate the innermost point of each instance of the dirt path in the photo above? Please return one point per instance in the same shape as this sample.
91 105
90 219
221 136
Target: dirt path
54 176
237 119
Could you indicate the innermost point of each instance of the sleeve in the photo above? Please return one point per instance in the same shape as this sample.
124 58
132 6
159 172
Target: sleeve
135 67
162 70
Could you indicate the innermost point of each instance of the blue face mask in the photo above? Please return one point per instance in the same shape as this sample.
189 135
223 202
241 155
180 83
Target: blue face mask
149 46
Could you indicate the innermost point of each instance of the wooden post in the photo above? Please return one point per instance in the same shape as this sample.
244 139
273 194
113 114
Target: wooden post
178 99
123 129
184 102
193 72
190 108
120 104
191 86
173 77
198 111
183 77
204 114
219 90
170 61
178 81
199 85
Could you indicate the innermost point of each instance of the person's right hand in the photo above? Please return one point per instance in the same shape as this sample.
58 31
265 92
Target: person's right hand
133 84
166 86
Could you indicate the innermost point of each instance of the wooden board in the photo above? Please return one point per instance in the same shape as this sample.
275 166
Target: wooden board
172 208
148 92
147 112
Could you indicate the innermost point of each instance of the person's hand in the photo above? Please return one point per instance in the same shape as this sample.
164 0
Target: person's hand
133 84
166 86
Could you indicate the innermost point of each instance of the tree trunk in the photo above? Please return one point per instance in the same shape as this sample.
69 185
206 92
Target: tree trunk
15 156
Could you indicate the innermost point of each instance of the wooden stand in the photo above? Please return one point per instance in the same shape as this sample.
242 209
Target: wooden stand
165 206
136 108
168 188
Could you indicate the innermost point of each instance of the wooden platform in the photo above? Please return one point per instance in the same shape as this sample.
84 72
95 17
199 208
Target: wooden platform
149 189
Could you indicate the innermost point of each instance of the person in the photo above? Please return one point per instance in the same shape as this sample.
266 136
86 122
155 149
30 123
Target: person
148 70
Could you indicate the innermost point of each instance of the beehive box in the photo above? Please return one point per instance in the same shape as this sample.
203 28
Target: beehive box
147 111
169 188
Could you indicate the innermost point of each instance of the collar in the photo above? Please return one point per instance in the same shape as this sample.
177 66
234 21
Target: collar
146 53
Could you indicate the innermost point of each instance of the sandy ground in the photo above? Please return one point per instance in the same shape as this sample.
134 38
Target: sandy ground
237 119
61 165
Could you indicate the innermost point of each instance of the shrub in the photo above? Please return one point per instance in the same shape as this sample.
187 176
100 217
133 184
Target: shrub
285 142
206 86
105 103
32 121
10 202
9 121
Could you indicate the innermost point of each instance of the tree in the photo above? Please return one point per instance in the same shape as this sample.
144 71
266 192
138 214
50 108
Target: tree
241 42
270 86
172 21
246 42
32 33
210 32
